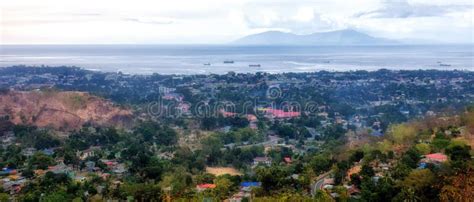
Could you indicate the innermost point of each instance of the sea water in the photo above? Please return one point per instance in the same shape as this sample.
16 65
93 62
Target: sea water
208 59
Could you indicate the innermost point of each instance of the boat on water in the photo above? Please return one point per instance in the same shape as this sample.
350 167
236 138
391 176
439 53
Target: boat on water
254 65
228 62
207 64
444 65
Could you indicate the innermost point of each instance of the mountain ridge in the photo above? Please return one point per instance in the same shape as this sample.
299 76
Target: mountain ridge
338 37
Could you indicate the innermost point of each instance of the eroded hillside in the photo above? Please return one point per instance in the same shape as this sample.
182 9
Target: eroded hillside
61 110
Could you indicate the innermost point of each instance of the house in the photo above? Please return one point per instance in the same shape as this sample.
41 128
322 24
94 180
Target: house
119 169
183 108
39 172
262 160
328 181
313 132
280 114
251 117
109 163
203 187
435 158
28 151
61 169
227 114
90 166
353 191
14 186
48 152
173 96
287 160
8 139
252 121
87 153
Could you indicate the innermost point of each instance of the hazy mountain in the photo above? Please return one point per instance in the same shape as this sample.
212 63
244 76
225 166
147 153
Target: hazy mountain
340 37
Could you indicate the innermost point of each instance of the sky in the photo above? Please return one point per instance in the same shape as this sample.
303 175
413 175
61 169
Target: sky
222 21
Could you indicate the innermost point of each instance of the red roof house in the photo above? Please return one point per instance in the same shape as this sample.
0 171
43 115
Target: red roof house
436 157
287 160
202 187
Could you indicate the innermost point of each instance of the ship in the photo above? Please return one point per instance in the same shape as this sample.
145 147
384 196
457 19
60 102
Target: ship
228 62
254 65
207 64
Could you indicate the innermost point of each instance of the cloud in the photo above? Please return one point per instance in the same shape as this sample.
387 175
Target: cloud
215 21
405 9
300 19
154 21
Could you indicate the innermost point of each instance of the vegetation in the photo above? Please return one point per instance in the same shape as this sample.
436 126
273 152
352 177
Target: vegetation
384 158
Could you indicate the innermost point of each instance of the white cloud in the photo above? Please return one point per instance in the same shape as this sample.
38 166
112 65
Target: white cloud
406 9
217 21
304 14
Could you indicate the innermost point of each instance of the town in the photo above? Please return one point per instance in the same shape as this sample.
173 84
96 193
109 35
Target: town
324 136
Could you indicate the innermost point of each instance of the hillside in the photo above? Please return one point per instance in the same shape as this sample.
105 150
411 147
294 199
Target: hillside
339 37
61 110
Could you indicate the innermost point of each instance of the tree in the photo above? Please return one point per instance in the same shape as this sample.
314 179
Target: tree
77 199
142 191
320 163
381 190
439 144
356 156
423 148
43 140
322 196
458 187
177 181
385 146
459 155
205 178
223 187
367 171
208 123
411 158
212 149
420 182
286 131
334 132
355 179
272 178
28 173
4 197
402 133
400 171
41 161
151 131
55 196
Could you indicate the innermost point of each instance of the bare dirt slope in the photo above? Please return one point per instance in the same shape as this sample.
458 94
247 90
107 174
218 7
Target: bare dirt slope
61 110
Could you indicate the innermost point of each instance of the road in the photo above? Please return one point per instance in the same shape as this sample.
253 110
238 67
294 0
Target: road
318 185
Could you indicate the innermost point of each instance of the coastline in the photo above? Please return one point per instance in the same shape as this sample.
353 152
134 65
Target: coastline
203 59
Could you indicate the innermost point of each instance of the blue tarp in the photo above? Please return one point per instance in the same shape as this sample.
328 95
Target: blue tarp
250 184
422 165
48 152
8 170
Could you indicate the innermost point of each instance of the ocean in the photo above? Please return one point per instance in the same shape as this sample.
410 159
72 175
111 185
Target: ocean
208 59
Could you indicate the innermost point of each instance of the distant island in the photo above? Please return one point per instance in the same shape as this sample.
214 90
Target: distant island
339 37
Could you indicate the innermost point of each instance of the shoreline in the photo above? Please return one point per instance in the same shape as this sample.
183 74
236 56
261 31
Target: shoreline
96 70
